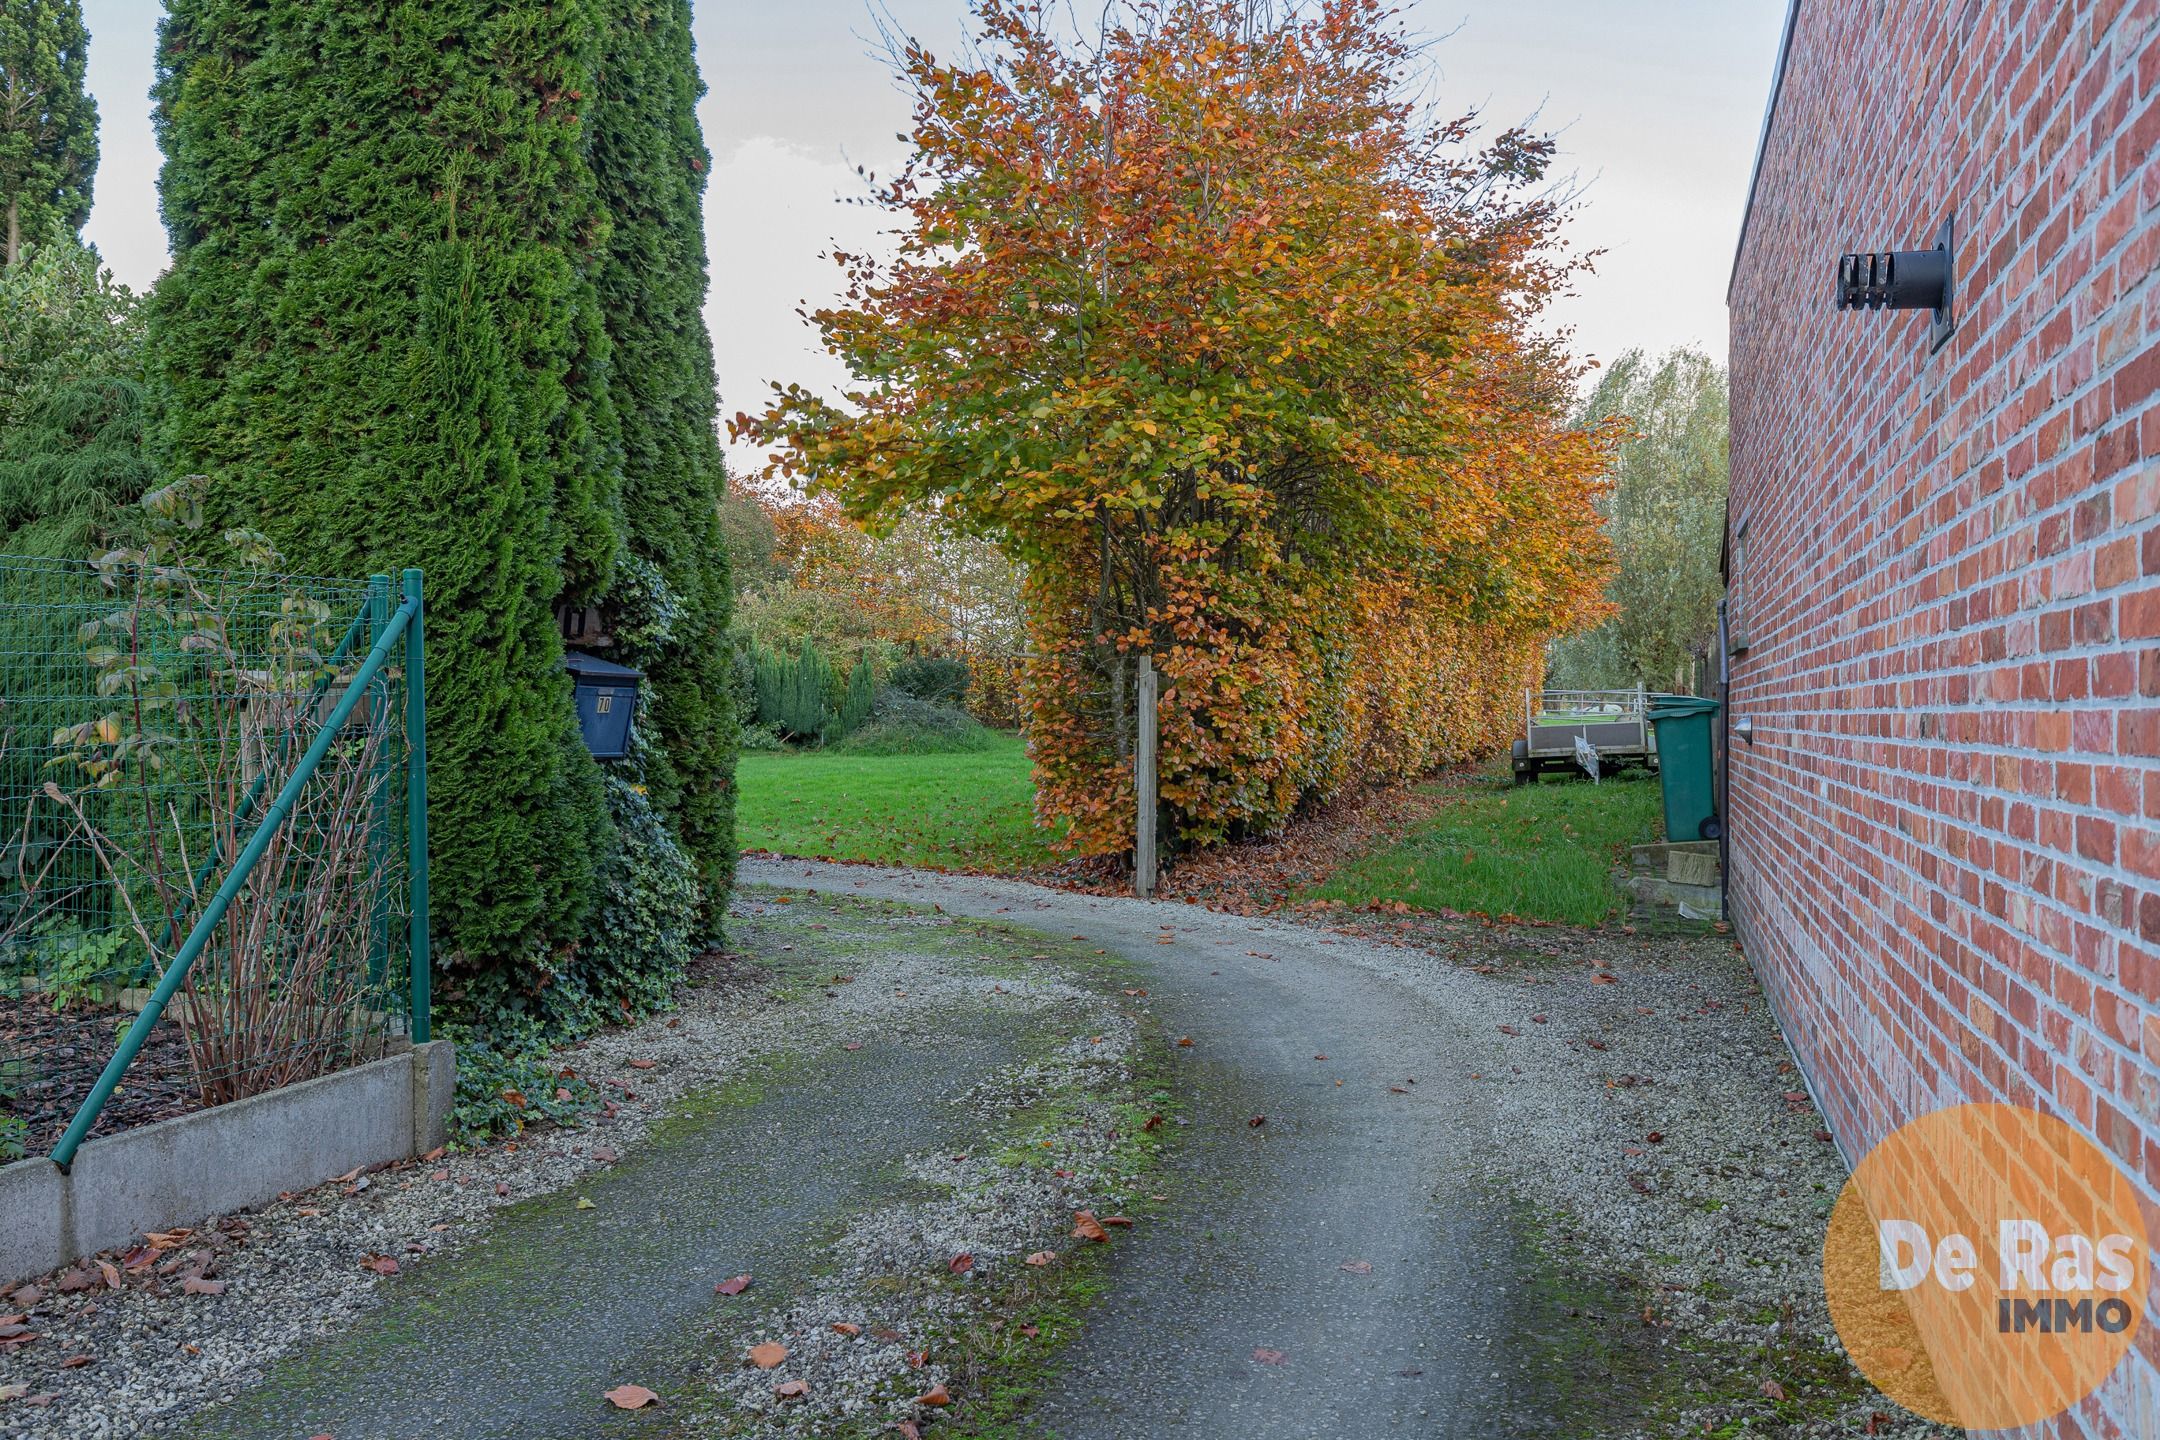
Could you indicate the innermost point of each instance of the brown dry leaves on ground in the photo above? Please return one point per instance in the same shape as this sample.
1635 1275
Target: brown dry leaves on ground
1252 877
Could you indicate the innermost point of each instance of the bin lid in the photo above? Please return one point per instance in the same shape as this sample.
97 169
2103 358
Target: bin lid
592 667
1681 707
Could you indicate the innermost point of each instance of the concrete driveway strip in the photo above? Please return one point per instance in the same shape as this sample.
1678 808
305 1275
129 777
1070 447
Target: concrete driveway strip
516 1338
1247 1308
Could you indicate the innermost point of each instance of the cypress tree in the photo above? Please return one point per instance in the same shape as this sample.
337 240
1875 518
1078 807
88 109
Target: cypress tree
73 417
652 164
48 123
380 344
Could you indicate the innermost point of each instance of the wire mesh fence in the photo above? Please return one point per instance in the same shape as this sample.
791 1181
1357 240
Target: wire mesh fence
152 717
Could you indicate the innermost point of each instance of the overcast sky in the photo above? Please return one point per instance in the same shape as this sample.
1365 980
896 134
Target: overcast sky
1657 104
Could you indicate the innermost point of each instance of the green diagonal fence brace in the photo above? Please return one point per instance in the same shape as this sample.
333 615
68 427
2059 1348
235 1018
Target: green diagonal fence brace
405 625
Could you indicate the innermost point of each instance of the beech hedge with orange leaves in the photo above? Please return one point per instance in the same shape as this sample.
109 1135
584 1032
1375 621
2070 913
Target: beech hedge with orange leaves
1229 342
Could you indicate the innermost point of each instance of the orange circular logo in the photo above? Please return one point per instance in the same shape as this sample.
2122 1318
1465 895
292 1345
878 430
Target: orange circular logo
1986 1266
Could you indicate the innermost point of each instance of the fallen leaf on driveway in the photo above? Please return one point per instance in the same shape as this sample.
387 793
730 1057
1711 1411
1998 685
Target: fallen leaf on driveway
1087 1227
852 1045
76 1362
641 1064
907 1430
961 1263
502 1187
843 1327
733 1285
604 1156
791 1389
631 1397
1772 1390
1256 1122
1595 1044
1118 1220
585 1204
1184 1040
1655 1137
1269 1357
767 1355
380 1264
935 1395
111 1272
1509 1030
1601 978
13 1392
196 1285
1153 1122
1041 1257
1358 1267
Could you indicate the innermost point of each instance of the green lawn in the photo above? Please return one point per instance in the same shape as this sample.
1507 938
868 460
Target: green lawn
970 811
1538 852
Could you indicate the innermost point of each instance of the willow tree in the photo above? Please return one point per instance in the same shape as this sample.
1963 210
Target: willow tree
48 123
1665 515
380 343
1230 340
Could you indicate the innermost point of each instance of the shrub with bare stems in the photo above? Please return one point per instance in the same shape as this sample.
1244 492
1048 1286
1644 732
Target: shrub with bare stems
217 683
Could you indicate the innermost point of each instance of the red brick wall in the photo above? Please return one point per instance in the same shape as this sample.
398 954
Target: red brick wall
1946 837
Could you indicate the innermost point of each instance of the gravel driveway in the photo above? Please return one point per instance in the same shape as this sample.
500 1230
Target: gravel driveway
1525 1181
1515 1181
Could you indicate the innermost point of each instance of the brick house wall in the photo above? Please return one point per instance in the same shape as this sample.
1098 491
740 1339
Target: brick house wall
1945 838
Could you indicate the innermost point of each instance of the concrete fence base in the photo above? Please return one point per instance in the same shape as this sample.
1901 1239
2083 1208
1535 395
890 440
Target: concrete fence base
216 1161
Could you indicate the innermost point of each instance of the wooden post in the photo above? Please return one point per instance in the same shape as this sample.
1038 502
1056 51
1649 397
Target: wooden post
1144 785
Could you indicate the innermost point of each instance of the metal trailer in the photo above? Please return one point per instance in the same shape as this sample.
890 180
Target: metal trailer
1614 723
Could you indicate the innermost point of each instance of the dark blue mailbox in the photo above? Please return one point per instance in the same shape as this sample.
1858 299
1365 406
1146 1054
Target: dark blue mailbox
606 699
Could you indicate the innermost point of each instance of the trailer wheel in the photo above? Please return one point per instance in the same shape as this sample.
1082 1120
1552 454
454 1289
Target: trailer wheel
1711 829
1526 769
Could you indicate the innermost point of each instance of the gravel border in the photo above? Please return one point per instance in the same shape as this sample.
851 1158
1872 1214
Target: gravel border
891 1274
1683 1163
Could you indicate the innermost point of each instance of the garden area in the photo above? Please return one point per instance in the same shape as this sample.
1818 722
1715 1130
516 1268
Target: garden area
689 807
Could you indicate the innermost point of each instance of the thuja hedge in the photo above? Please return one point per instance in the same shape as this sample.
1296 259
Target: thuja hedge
435 301
651 165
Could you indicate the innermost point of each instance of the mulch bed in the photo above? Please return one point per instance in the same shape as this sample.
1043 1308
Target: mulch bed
59 1057
1258 876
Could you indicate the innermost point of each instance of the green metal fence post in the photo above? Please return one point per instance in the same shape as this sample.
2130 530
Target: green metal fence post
416 800
378 613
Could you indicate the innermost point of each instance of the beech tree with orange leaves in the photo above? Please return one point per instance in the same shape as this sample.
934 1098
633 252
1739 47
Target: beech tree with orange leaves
1228 340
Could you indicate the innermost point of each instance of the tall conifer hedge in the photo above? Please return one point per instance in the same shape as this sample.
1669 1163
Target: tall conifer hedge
381 342
651 164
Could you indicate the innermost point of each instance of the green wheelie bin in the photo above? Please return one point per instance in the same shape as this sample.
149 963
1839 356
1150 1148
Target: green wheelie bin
1687 765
